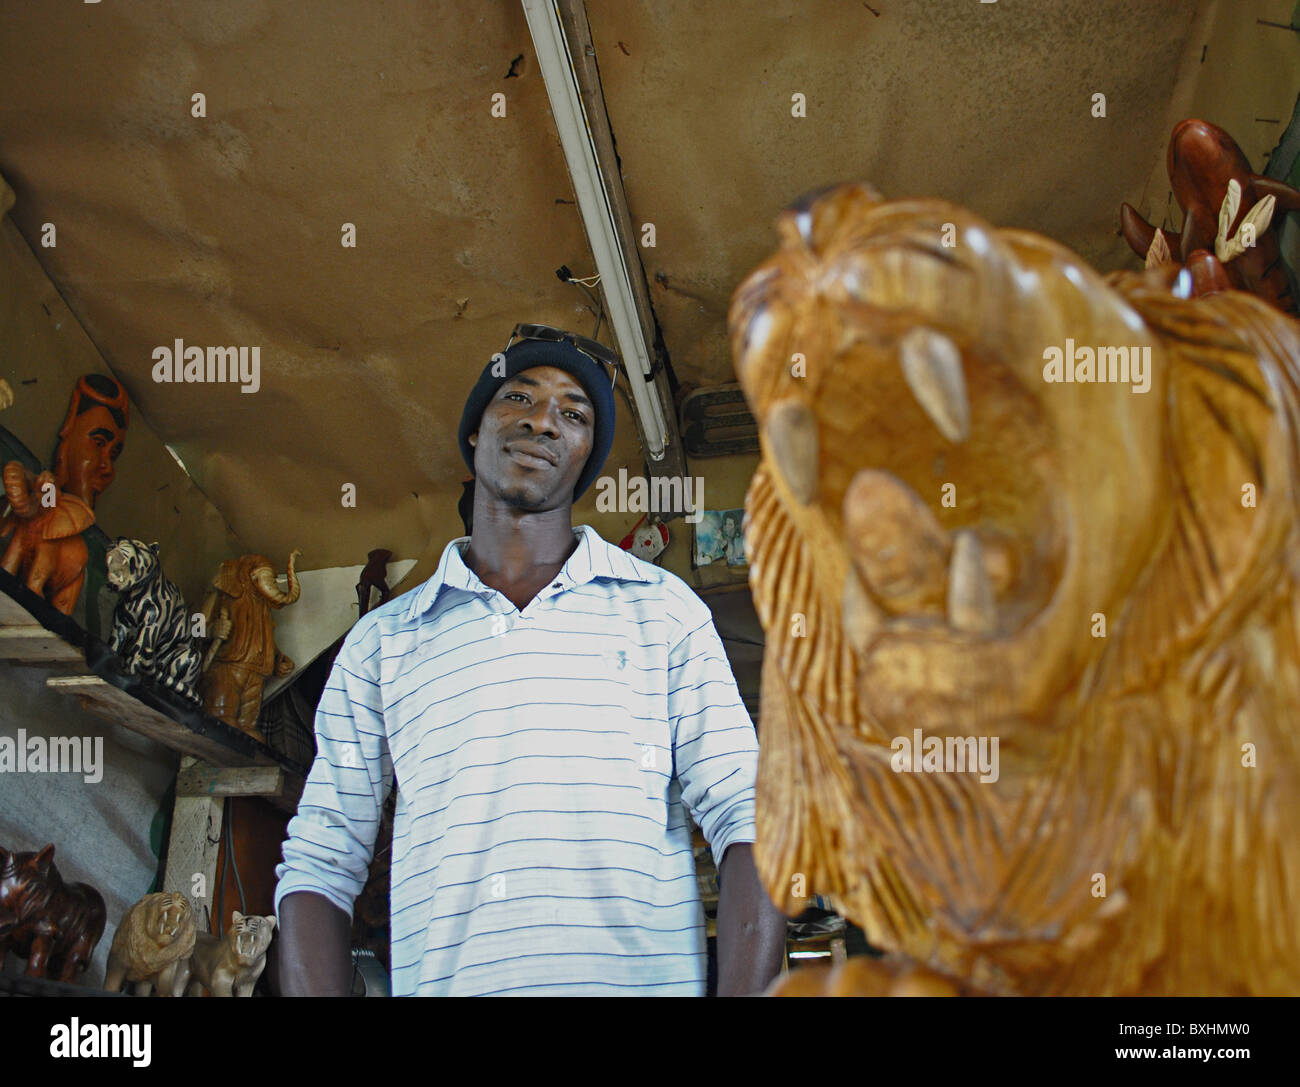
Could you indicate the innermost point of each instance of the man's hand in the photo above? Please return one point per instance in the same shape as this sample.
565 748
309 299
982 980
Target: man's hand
312 954
751 931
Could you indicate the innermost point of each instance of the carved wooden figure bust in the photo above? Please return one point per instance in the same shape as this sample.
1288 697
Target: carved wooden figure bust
1040 737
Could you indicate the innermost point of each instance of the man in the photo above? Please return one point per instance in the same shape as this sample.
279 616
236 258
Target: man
551 707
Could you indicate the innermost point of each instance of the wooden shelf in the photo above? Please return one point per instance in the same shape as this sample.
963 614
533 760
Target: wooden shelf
34 633
23 638
21 985
271 783
101 697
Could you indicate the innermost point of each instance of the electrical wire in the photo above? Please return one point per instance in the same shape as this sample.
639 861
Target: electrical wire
233 865
586 285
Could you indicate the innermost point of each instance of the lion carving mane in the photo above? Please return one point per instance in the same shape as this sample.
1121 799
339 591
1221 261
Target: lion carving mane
152 945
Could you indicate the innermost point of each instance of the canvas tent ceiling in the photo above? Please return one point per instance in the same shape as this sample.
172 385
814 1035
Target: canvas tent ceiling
225 230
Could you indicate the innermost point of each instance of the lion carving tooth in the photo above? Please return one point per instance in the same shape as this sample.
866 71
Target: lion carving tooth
792 435
970 593
897 545
931 364
860 617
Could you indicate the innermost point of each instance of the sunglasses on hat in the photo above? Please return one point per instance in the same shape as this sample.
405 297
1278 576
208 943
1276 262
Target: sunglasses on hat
597 352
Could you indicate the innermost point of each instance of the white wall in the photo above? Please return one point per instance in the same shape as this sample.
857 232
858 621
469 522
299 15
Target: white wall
100 831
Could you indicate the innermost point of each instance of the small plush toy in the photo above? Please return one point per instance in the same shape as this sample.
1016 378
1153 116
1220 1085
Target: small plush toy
646 541
151 625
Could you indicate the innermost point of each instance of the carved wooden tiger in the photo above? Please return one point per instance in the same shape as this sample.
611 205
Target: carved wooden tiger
151 626
230 965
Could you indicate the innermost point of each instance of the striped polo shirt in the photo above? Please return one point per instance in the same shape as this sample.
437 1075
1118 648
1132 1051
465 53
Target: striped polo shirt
546 761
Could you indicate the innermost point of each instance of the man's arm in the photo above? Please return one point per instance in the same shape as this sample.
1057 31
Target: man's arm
331 839
715 757
751 931
312 955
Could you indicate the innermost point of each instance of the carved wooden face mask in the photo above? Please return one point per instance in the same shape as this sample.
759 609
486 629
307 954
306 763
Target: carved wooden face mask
981 547
92 438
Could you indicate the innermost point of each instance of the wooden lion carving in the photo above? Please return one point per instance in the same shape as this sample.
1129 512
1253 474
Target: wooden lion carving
152 946
1040 736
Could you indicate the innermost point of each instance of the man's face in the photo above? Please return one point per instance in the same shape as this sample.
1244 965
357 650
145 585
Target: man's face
534 439
88 454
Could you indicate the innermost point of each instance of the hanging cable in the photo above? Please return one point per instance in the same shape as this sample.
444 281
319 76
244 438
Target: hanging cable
232 864
587 285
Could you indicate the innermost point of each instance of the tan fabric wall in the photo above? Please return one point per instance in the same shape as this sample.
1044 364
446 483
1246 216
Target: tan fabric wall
43 350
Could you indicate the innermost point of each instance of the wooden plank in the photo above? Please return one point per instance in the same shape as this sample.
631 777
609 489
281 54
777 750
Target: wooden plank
192 852
35 643
269 782
13 614
23 638
203 779
103 698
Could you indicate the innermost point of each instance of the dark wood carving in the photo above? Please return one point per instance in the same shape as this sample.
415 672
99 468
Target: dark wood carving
54 925
374 576
1219 194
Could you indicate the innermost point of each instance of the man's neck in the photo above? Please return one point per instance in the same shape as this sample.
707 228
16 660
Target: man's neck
518 553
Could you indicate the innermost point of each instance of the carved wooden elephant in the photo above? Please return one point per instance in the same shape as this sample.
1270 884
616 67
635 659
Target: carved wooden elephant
45 548
243 653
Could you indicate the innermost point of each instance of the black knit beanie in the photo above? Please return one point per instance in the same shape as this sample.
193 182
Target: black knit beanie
526 354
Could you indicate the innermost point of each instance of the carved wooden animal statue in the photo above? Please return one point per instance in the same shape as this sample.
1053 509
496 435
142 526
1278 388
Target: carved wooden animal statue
230 965
152 946
44 526
48 511
54 925
373 579
151 625
1040 736
1218 194
243 654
